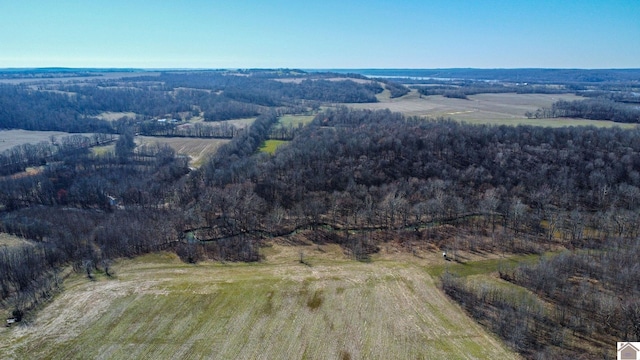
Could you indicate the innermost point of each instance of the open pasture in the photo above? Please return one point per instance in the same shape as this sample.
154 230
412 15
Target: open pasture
239 123
115 115
295 120
495 109
197 149
11 138
270 146
329 308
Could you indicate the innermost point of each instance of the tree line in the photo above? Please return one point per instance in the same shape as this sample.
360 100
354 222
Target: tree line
20 157
593 109
461 89
590 294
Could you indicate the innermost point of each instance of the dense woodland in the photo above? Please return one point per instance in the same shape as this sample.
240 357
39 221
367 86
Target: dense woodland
357 178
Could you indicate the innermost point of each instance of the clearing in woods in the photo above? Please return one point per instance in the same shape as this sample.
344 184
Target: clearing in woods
12 240
295 120
270 146
115 115
196 148
331 307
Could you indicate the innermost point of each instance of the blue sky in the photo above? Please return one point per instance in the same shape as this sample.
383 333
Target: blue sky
320 34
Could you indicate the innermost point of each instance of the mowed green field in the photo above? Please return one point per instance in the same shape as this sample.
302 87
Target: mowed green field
157 307
270 146
495 109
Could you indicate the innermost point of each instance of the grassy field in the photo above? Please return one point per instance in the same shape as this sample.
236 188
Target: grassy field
497 109
197 149
239 123
295 120
331 308
103 150
112 116
11 138
11 240
270 146
480 267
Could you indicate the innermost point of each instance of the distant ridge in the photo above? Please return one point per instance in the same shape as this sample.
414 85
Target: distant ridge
69 70
516 75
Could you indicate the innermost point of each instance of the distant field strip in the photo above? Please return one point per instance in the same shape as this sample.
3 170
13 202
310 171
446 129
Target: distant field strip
495 109
11 138
295 120
159 307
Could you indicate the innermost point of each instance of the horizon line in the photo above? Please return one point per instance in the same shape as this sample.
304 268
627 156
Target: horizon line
300 68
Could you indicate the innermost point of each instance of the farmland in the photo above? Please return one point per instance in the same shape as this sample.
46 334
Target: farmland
115 115
295 120
496 109
197 149
11 138
332 307
131 250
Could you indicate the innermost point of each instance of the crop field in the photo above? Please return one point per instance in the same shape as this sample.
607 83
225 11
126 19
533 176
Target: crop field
197 149
496 109
11 138
239 123
329 308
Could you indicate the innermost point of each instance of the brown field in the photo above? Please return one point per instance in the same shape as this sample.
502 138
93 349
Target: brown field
11 240
239 123
197 149
112 116
498 109
11 138
331 308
